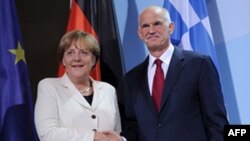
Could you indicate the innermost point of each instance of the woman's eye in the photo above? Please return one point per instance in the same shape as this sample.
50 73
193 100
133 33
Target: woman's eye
69 53
84 53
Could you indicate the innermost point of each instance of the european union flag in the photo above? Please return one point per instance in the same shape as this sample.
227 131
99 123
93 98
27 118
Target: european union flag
16 106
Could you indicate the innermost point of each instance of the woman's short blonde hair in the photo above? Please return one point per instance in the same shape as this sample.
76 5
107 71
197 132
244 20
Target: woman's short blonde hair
78 35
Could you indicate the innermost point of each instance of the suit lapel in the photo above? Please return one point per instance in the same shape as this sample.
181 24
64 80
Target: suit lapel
174 71
144 87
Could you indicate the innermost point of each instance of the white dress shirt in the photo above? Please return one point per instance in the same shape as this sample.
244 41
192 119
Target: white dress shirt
165 58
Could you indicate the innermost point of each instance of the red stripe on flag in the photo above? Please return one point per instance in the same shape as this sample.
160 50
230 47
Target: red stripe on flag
77 20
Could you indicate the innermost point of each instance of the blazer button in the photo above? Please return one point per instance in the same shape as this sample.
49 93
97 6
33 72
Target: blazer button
94 130
93 116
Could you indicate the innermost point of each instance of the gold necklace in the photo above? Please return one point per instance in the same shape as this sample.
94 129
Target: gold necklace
85 91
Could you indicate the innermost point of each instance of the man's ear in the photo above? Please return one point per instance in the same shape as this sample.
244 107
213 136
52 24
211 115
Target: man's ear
171 27
139 33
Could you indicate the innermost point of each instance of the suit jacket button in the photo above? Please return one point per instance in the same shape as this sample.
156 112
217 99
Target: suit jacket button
160 125
93 116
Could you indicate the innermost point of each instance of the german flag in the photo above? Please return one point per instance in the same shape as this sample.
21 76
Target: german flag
98 18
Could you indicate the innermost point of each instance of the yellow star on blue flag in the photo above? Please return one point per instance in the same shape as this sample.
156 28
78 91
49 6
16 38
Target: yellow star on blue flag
19 52
16 103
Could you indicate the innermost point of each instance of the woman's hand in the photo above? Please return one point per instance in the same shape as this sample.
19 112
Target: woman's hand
107 136
100 137
112 136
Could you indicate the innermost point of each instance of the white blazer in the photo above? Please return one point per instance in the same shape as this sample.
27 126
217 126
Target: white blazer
63 114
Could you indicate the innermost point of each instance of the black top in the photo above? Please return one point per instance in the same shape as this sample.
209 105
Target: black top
89 98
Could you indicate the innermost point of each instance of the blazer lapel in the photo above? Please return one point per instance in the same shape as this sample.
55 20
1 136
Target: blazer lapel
98 95
174 71
75 94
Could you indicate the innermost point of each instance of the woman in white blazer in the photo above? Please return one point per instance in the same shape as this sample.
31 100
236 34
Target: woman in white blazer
75 107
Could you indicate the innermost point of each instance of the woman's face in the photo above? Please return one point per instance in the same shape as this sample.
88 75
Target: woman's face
78 60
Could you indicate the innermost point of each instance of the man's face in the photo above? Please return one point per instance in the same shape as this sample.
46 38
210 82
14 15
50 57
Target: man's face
153 29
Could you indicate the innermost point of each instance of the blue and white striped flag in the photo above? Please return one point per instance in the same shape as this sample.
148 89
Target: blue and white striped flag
192 26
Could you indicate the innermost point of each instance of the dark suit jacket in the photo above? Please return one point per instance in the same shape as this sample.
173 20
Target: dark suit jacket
192 107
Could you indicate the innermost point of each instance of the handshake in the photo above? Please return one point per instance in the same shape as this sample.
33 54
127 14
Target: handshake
107 136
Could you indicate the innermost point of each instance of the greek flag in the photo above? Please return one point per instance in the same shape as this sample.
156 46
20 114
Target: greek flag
192 26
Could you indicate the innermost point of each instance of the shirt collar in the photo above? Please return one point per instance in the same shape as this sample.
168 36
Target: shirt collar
165 57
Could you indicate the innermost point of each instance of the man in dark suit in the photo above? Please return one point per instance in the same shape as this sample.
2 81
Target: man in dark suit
190 106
